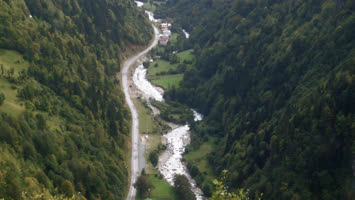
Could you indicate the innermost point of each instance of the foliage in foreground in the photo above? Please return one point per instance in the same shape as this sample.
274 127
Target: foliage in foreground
46 196
222 193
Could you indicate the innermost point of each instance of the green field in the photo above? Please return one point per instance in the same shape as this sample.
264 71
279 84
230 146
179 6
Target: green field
149 6
153 141
146 119
11 60
12 104
186 55
199 156
160 66
162 190
168 81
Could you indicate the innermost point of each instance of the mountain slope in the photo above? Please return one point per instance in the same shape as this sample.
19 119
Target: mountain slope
275 80
64 126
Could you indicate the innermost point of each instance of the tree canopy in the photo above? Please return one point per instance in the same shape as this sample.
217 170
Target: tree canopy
275 80
69 132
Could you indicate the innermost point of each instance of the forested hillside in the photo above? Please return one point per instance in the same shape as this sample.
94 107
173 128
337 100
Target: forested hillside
64 129
275 80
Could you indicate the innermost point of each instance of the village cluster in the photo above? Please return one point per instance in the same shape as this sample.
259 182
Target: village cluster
166 33
164 37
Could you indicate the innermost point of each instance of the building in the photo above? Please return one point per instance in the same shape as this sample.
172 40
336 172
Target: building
164 26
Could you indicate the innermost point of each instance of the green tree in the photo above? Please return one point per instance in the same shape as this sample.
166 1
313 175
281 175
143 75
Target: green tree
2 98
273 112
153 157
12 71
143 185
70 46
183 188
41 122
2 69
146 64
222 192
67 188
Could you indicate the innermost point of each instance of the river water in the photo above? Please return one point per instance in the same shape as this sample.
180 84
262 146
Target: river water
151 16
139 4
187 35
149 91
170 161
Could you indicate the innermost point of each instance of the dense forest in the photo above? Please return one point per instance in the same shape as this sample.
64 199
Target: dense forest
275 81
64 129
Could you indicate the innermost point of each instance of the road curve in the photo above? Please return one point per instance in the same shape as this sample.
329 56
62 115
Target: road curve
135 121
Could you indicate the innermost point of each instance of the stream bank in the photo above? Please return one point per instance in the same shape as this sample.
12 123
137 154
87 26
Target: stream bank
176 140
170 161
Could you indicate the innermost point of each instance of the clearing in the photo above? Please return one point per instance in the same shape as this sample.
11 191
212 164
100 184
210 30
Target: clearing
11 60
163 74
186 55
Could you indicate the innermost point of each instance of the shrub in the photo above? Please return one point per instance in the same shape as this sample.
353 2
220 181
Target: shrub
2 98
183 188
143 186
153 157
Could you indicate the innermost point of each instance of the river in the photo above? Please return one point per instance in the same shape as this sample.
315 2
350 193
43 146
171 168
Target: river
170 161
187 35
176 140
149 91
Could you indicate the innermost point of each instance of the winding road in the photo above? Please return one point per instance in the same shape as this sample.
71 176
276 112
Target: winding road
135 121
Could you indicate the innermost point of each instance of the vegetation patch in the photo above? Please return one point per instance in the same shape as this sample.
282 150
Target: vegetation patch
277 87
12 65
199 156
11 60
63 121
146 119
162 190
150 5
159 66
165 74
197 160
186 55
11 103
182 188
169 81
174 112
152 152
173 39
